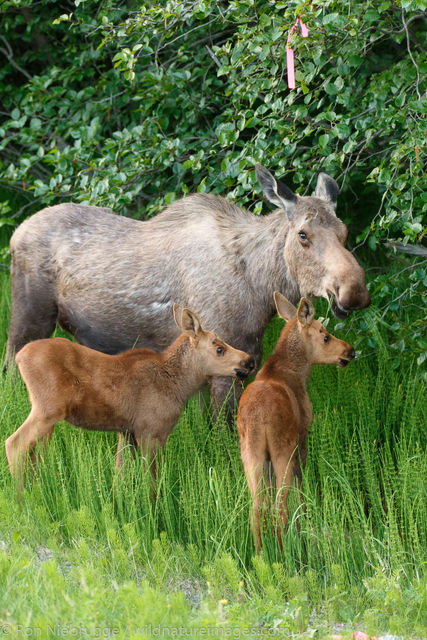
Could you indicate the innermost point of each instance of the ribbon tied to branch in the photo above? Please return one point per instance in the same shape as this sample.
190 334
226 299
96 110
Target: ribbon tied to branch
290 66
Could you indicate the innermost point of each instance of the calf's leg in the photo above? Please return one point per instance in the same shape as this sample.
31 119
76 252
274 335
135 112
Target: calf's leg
149 448
283 465
253 464
125 440
35 429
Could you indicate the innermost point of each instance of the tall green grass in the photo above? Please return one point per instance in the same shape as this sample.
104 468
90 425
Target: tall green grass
354 549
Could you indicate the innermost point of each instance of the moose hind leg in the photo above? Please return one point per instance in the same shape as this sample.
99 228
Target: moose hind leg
35 429
253 459
33 313
283 464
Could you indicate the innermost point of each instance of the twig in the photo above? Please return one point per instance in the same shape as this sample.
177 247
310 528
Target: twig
9 55
402 295
410 54
213 56
407 248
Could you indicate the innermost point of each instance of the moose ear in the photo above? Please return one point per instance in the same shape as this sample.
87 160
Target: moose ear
276 191
305 312
186 320
177 314
285 309
327 189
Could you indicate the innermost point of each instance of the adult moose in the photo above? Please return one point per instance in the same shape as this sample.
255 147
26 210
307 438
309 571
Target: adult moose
111 280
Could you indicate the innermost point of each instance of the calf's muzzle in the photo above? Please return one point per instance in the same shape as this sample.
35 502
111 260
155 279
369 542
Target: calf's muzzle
245 369
348 356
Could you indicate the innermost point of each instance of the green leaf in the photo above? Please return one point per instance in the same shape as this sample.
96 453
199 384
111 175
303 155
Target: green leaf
371 15
372 243
323 140
335 19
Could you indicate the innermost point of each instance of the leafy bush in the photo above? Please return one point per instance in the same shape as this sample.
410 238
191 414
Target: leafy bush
132 107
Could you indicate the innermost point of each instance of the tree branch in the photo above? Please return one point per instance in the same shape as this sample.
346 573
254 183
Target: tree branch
9 55
407 248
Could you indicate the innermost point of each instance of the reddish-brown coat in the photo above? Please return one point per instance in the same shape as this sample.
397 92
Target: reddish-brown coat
139 393
275 411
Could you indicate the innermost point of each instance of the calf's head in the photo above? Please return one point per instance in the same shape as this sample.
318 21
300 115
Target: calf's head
212 355
320 346
314 249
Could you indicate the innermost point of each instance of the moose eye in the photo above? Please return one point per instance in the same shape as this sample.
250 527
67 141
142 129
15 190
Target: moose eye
326 339
302 235
220 351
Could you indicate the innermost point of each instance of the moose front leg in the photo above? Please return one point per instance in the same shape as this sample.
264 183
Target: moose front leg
225 396
226 392
126 441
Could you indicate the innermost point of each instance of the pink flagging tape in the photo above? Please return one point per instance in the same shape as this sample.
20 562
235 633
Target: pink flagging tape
304 30
290 65
357 635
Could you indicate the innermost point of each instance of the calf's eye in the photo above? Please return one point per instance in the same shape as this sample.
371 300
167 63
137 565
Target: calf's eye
220 351
326 339
302 235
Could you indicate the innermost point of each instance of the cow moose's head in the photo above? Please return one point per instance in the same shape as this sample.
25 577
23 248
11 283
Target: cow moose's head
315 244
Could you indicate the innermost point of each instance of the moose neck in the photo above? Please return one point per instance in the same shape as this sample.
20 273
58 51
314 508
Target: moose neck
261 244
290 356
181 370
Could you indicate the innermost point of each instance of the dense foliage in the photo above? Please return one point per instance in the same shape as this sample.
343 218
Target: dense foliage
133 105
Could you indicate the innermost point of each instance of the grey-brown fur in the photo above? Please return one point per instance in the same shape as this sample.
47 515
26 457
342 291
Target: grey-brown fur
111 281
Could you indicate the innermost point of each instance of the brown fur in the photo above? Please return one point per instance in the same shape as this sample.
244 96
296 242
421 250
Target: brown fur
139 393
275 411
111 280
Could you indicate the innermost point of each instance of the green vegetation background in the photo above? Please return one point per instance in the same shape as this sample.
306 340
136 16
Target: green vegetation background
133 105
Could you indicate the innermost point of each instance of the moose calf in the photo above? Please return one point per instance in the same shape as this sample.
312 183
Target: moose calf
139 393
275 411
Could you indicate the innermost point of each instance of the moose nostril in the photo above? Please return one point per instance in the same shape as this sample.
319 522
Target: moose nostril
351 354
251 364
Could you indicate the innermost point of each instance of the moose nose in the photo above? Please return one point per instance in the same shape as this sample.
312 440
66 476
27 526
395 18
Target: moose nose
246 368
251 365
366 300
352 296
349 354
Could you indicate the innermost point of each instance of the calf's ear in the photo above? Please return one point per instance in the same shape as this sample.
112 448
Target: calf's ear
285 309
305 312
186 320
